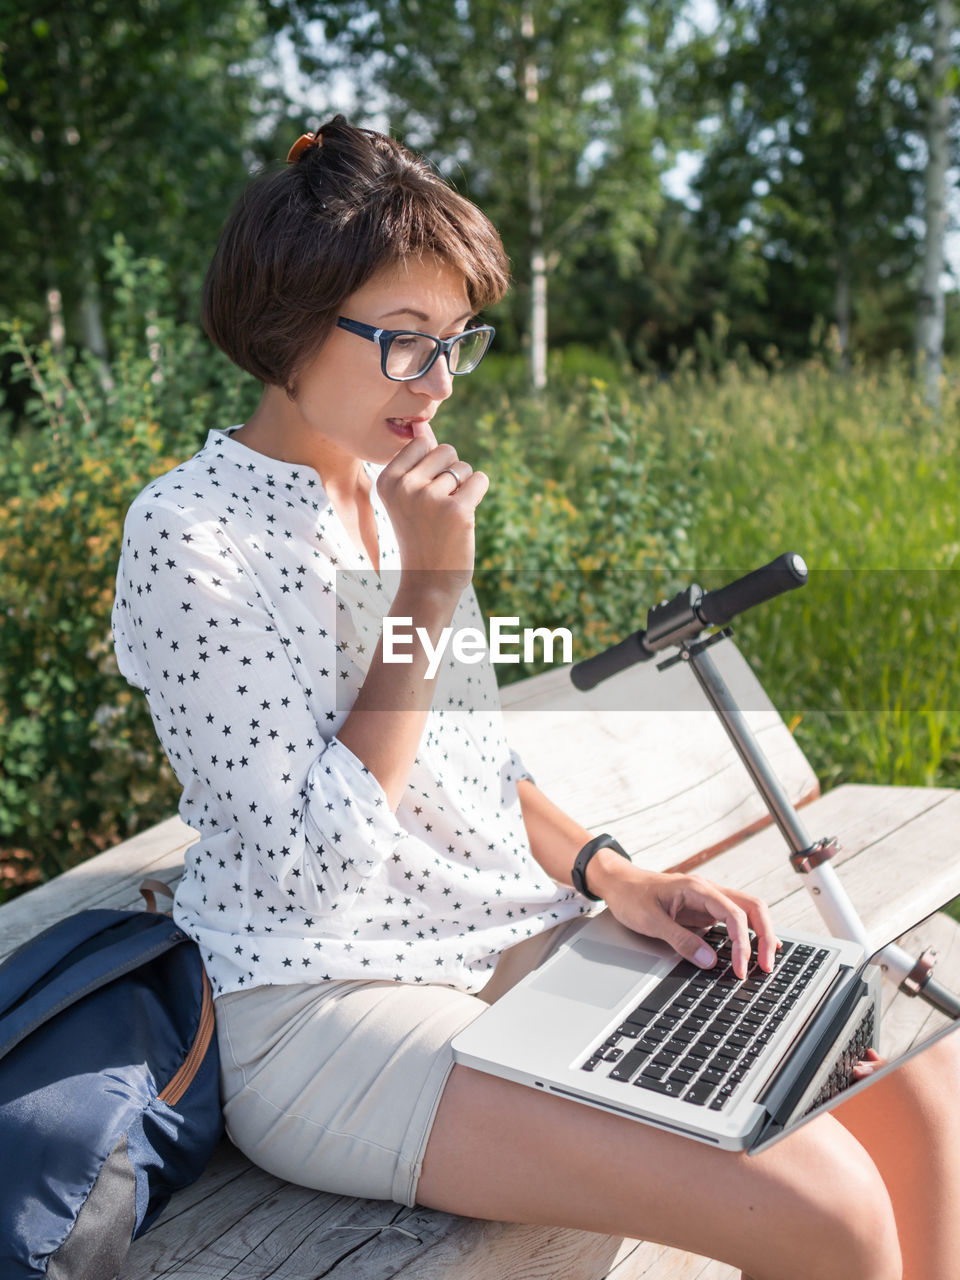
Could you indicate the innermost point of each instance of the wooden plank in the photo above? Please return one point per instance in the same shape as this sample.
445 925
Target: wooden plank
899 879
649 1261
494 1250
253 1225
899 836
110 879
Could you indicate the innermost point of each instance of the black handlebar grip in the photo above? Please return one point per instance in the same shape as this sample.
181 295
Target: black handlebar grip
783 574
585 675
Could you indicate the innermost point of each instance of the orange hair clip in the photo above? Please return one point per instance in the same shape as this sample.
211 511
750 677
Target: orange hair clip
299 147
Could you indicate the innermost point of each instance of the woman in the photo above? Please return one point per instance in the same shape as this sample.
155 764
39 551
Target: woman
374 864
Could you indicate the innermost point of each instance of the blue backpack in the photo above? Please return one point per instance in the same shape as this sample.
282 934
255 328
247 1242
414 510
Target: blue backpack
109 1089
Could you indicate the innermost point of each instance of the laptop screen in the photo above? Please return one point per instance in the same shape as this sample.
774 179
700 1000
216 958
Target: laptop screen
908 1023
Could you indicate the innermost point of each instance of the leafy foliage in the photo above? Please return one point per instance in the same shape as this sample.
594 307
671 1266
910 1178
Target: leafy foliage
81 767
535 110
126 118
815 162
584 520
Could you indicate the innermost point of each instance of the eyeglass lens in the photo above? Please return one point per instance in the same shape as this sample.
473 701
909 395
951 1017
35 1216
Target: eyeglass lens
410 353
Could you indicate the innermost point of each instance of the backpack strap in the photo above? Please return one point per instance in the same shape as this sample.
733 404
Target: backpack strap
149 888
138 939
34 959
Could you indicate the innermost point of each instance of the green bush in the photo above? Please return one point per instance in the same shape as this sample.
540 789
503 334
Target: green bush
583 521
80 767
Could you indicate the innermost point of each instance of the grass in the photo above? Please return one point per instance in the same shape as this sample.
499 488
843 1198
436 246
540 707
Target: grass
852 469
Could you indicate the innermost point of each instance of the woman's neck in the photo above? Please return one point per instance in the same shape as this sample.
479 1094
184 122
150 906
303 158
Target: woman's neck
277 430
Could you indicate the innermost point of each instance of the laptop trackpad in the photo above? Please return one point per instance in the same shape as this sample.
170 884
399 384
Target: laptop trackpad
593 973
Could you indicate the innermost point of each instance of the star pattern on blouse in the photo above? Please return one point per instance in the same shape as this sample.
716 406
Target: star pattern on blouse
248 618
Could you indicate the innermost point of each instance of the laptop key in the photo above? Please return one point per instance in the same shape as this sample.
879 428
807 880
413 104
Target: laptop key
635 1023
628 1066
665 990
665 1059
684 1034
673 1088
698 1093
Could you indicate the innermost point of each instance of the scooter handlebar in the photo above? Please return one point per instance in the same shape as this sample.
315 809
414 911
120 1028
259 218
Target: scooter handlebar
783 574
690 612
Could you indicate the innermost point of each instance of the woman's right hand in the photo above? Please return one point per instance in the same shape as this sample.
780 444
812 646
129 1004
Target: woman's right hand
432 518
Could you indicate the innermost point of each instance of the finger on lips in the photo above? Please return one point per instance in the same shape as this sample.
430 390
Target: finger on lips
423 431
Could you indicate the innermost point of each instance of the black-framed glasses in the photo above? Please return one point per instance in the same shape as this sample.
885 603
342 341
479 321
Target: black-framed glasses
406 354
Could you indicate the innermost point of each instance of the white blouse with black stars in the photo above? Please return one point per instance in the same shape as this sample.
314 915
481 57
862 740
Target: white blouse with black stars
248 617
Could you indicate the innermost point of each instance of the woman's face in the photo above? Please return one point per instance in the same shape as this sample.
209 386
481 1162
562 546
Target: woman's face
343 394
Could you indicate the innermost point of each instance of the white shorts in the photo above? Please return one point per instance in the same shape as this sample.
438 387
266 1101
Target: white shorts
335 1085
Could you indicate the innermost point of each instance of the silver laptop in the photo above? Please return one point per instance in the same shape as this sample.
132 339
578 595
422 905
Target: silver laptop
613 1020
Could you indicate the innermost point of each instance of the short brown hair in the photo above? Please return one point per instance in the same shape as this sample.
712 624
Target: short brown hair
301 240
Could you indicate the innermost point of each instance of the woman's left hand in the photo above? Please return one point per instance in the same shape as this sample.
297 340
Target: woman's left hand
671 905
868 1064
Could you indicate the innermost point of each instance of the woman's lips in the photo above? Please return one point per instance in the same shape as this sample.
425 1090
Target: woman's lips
403 426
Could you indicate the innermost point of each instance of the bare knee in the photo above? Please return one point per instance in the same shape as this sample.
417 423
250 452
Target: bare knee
860 1218
843 1210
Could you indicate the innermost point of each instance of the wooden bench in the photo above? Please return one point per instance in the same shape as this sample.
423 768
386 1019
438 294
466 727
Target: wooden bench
643 758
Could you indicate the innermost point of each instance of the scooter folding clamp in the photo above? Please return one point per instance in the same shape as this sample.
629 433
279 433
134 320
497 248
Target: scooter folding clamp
821 850
919 975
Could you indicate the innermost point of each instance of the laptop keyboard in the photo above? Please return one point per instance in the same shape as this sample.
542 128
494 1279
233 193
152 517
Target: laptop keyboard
696 1035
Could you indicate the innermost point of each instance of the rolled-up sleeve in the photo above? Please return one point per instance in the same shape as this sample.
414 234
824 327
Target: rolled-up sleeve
517 771
236 712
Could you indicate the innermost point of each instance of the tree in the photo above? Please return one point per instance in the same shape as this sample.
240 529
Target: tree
816 149
119 116
543 111
940 83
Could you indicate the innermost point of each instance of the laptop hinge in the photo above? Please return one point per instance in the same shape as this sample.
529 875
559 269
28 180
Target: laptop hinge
786 1087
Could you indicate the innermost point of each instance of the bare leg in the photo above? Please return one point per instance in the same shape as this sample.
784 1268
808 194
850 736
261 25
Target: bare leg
910 1124
814 1205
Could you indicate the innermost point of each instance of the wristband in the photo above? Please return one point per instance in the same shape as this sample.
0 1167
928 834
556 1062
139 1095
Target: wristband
578 874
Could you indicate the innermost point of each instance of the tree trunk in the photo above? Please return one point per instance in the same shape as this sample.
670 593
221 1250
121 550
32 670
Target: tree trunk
92 334
91 316
841 304
57 330
930 309
538 262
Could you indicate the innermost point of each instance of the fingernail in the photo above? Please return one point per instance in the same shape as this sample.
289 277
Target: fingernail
704 957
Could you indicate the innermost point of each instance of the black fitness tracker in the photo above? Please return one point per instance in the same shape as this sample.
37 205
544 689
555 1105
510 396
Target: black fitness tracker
578 874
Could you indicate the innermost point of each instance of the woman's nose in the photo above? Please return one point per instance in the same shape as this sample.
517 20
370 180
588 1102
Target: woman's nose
437 382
